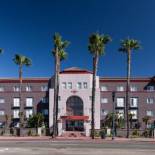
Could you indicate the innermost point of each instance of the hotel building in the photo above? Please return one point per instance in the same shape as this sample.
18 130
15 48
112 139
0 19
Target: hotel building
74 109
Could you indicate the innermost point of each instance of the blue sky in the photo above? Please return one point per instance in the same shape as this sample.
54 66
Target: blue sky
27 27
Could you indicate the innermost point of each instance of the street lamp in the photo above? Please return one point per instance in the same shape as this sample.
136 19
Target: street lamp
113 115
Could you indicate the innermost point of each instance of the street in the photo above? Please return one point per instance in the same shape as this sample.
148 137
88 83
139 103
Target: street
74 147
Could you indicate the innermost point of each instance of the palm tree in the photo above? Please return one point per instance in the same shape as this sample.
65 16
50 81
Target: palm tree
127 46
6 122
59 54
21 61
1 50
96 47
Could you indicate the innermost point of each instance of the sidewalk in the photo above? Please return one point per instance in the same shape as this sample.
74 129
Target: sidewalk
29 138
79 139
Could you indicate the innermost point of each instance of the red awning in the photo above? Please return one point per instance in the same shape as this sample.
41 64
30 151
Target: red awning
75 117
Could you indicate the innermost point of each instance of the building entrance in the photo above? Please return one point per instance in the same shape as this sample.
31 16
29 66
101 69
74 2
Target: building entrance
74 125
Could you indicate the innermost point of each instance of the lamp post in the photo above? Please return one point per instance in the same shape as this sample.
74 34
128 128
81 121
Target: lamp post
113 116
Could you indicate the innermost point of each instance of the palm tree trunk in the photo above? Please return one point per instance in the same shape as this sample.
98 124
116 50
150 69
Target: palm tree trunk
20 97
95 63
128 90
55 95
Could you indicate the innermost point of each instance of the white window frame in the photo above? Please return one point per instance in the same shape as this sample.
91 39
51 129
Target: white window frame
79 85
2 112
85 85
64 85
44 88
149 113
133 88
133 101
120 113
135 116
104 100
28 88
16 88
28 113
69 85
120 103
16 113
2 100
120 88
16 102
1 88
104 88
29 102
150 100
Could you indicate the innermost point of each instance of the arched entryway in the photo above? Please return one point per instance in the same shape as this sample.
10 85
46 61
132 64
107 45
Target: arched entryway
74 109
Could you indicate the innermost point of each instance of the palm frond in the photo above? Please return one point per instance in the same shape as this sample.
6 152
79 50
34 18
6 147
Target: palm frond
97 43
129 44
22 60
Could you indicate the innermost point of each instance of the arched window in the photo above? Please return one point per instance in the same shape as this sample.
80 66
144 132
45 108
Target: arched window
74 106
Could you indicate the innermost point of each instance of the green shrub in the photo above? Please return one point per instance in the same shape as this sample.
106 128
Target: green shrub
29 132
147 133
135 133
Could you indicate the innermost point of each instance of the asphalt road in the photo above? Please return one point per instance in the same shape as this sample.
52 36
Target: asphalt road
76 148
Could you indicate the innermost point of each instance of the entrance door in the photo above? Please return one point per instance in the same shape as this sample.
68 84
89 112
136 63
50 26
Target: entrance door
72 125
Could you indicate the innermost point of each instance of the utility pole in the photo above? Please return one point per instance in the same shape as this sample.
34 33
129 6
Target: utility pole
113 115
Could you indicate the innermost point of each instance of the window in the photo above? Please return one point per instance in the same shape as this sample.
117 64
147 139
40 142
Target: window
120 88
1 88
2 113
134 114
45 111
44 88
29 102
2 100
29 112
133 88
104 100
149 113
120 113
28 88
69 85
59 98
85 86
79 85
104 112
150 100
120 102
133 102
64 86
150 88
104 88
16 102
44 100
16 113
16 88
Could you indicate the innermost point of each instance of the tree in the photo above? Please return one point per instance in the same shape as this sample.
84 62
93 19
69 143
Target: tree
59 54
1 50
21 61
36 121
127 46
96 47
146 120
